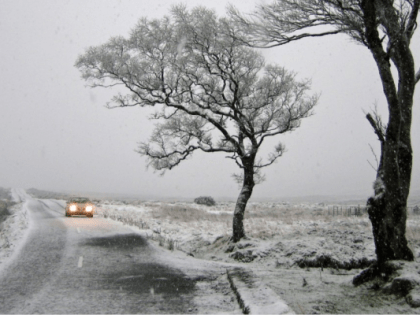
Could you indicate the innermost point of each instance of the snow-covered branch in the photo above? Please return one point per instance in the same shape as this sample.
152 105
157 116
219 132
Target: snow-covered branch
214 93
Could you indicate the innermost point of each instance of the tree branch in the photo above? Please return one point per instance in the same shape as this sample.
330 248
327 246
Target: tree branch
208 83
412 21
377 127
286 21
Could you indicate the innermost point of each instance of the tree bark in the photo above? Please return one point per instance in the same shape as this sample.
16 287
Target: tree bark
244 195
388 208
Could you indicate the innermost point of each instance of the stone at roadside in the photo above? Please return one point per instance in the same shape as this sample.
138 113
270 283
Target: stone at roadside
413 298
404 283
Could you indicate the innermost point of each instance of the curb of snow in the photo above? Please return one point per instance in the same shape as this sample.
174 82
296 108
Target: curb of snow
16 230
255 297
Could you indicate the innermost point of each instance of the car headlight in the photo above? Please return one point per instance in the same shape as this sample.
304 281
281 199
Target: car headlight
73 208
89 208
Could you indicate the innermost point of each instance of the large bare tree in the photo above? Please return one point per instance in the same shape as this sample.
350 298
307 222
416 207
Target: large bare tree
384 27
211 93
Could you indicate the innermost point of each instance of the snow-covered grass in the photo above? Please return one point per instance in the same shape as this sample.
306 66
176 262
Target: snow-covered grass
284 242
279 234
13 231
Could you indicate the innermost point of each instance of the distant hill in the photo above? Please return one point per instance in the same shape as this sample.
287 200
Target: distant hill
4 193
414 198
44 194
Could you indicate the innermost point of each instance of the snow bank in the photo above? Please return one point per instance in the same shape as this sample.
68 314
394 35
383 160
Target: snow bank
13 232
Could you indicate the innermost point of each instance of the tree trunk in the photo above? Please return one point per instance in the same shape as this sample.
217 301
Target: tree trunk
388 208
245 194
388 215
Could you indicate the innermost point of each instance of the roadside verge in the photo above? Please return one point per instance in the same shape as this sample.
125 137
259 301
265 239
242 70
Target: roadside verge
14 232
255 297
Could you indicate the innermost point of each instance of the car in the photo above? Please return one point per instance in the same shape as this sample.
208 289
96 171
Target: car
80 206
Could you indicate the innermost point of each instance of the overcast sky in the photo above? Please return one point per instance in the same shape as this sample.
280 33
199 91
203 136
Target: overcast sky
56 134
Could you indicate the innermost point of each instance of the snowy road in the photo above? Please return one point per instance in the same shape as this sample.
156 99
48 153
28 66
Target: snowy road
83 265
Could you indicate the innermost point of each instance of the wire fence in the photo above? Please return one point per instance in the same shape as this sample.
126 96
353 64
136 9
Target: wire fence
361 210
346 210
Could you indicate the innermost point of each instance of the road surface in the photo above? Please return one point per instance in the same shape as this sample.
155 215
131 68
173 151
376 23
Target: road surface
86 265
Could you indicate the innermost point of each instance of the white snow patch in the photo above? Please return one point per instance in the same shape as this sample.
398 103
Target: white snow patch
15 230
265 301
140 209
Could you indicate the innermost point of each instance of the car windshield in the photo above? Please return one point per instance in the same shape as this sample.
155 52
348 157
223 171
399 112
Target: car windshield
79 200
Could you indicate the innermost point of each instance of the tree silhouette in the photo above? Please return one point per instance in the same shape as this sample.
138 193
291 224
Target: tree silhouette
211 93
386 29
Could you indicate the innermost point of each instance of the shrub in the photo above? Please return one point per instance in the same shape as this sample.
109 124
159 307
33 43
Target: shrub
171 244
205 200
161 241
4 209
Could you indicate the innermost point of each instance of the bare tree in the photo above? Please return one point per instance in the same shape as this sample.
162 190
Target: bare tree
211 93
385 27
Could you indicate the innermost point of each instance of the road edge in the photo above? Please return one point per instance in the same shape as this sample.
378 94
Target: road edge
18 236
254 296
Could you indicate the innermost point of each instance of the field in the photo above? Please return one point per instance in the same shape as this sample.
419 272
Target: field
307 255
279 234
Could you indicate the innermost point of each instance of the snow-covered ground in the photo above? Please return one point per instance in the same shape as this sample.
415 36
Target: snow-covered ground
15 228
283 242
278 234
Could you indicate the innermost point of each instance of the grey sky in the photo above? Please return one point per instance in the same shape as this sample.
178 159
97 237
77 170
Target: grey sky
56 134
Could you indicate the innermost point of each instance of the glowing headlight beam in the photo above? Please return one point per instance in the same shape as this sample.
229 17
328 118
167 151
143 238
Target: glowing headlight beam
89 208
73 208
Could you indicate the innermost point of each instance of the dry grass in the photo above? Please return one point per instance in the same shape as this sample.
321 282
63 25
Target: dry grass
168 222
187 214
283 234
413 230
283 238
269 221
127 217
5 206
264 221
